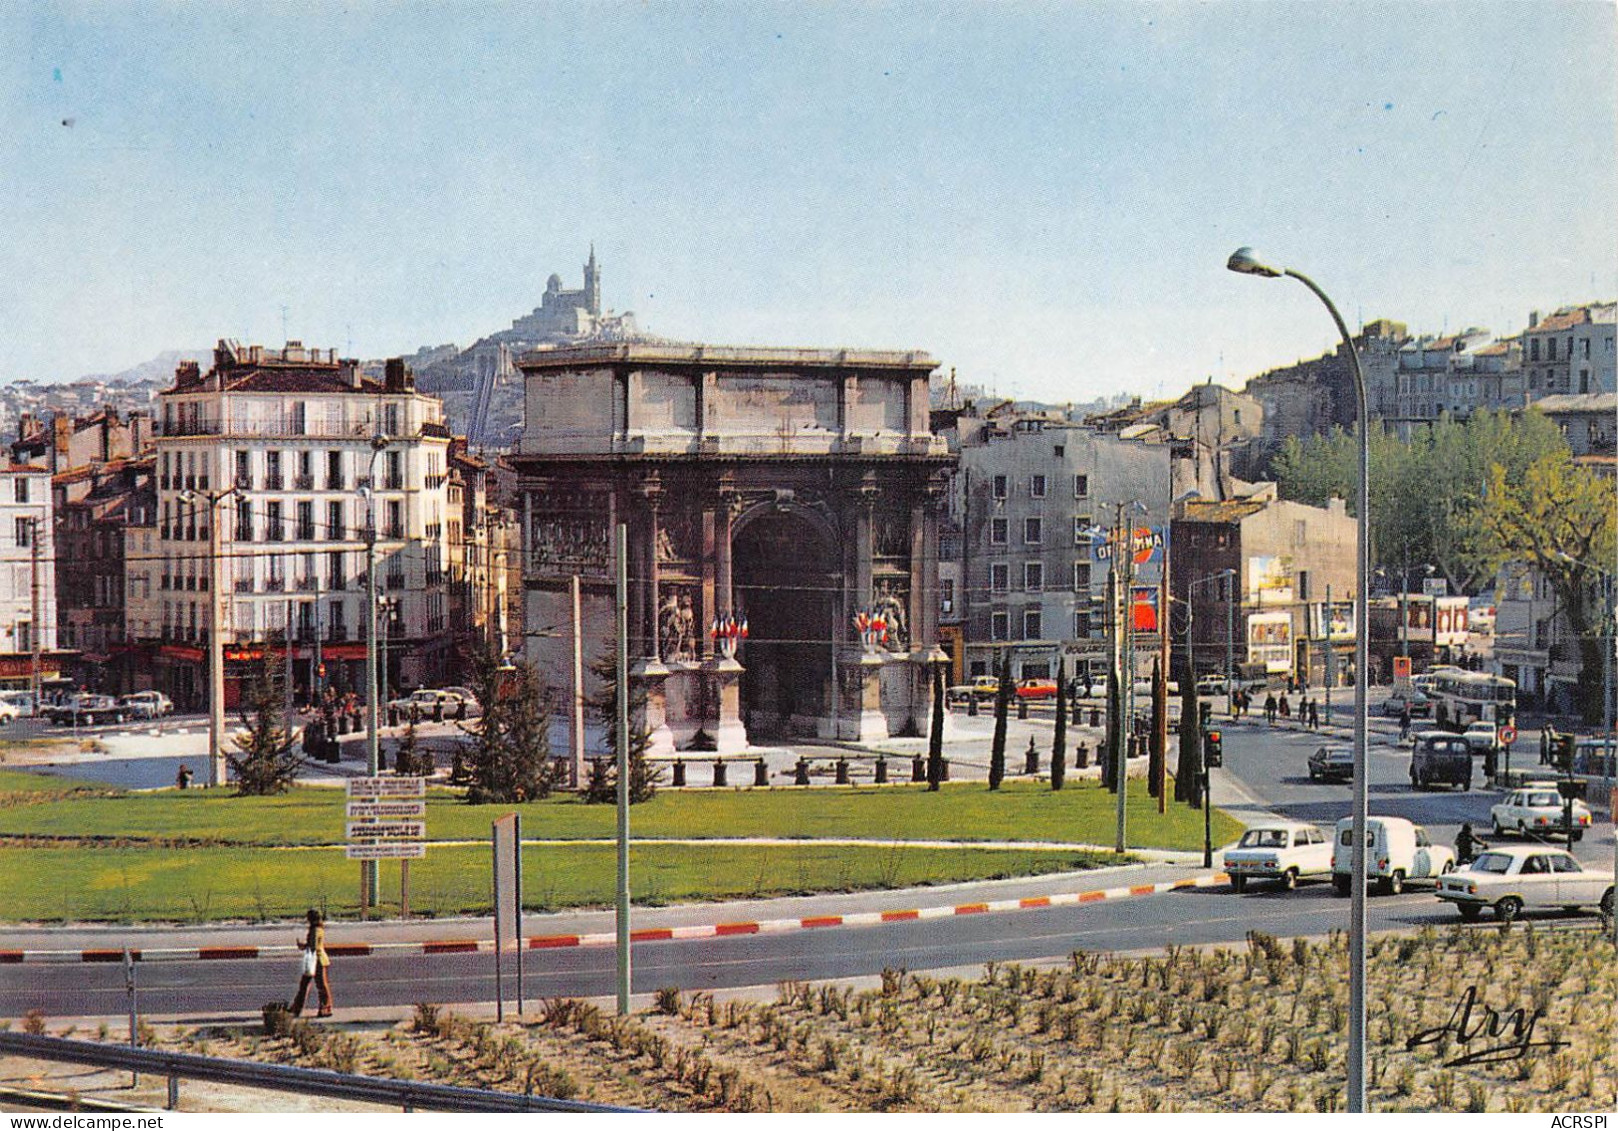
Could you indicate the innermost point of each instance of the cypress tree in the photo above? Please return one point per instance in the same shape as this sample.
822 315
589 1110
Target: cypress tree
1059 739
1002 706
935 737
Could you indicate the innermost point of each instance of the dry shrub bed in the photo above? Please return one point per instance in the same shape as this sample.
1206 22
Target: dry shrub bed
1259 1028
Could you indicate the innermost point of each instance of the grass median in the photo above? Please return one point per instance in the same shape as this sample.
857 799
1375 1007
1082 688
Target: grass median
80 851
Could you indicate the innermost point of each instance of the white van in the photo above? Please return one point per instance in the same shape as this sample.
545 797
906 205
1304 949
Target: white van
1395 851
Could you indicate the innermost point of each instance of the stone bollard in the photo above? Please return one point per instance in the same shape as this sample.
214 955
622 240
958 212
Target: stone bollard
881 771
1022 708
972 705
945 775
1081 758
761 773
718 773
918 768
342 723
679 773
842 771
800 772
1031 760
1095 716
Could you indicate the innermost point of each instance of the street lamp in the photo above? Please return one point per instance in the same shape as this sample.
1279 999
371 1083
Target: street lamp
373 745
216 629
1244 261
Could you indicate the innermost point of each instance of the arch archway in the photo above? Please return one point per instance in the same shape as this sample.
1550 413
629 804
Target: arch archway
787 583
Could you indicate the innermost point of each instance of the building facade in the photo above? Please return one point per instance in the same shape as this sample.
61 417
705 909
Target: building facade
1571 351
28 549
785 492
294 456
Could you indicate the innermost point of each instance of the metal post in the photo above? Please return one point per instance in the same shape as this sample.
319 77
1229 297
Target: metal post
1126 547
1231 578
129 994
373 750
516 903
216 645
1331 657
577 715
286 716
499 943
621 599
36 630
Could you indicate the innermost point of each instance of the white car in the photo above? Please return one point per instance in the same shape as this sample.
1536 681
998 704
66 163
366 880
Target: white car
1286 853
148 704
1420 706
1511 879
1537 809
1481 737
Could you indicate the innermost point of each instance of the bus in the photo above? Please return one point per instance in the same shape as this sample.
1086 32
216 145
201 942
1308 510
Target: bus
1462 698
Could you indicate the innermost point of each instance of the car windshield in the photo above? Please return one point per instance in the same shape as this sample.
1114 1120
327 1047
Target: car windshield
1540 799
1492 862
1264 838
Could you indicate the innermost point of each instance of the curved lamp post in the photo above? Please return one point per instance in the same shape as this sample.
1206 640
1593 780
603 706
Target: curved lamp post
1246 262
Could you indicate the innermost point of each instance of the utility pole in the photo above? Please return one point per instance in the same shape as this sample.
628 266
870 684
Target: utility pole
1331 657
216 643
576 737
1125 546
36 629
373 750
621 601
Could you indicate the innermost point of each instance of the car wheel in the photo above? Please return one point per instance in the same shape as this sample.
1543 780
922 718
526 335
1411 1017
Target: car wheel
1470 912
1508 909
1466 786
1522 830
1289 879
1340 884
1498 830
1606 903
1238 884
1576 836
1313 776
1449 866
1396 883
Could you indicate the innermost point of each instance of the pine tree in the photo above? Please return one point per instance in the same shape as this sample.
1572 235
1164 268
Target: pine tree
268 762
510 759
1059 739
1002 706
643 776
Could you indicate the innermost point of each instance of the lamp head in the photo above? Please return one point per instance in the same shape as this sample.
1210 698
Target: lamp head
1245 261
187 496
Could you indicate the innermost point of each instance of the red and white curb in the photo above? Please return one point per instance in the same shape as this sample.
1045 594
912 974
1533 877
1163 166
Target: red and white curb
609 938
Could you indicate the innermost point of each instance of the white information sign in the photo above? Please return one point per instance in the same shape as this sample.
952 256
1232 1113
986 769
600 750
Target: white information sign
387 787
387 810
387 830
389 850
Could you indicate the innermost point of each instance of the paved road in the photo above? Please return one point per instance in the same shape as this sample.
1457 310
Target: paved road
1264 774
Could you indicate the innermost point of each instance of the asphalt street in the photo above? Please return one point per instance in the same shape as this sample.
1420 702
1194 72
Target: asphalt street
1264 774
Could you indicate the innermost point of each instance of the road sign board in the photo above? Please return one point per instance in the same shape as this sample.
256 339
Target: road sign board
1507 735
387 810
387 830
387 787
389 850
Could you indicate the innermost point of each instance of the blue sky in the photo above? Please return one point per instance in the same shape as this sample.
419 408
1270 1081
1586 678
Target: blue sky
1042 195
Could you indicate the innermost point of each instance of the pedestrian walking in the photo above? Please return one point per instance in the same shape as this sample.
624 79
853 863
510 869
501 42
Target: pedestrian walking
1404 722
1314 715
1269 708
316 964
1284 705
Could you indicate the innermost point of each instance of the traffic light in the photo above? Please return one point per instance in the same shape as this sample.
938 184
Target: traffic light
1204 714
1213 751
1562 752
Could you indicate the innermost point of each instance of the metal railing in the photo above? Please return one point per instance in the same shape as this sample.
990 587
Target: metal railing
407 1095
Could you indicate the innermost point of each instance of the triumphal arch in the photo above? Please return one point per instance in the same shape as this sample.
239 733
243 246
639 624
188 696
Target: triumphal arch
782 514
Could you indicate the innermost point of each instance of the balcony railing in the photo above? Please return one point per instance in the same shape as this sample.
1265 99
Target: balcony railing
244 585
274 584
306 533
303 482
335 483
306 584
272 483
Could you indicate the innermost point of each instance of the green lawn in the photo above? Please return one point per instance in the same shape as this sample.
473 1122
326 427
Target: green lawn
1023 811
187 885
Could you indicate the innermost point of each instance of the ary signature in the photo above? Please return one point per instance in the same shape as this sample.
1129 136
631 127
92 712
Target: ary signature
1470 1021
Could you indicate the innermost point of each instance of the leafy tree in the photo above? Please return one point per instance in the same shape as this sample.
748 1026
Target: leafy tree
267 761
1560 517
1059 739
1428 495
602 786
510 759
935 736
1002 707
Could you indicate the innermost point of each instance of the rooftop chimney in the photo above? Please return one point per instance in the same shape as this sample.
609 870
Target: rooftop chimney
398 377
1533 319
350 369
188 372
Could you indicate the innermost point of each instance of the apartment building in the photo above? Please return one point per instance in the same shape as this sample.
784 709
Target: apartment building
297 456
27 577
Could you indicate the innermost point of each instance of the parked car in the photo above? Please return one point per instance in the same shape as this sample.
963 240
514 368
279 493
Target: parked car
148 705
8 711
1421 707
1284 852
425 699
1212 685
1396 851
1332 763
1513 878
1441 757
981 688
1036 689
86 710
1538 809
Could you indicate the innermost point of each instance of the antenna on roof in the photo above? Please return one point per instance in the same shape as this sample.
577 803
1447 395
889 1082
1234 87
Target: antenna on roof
283 323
